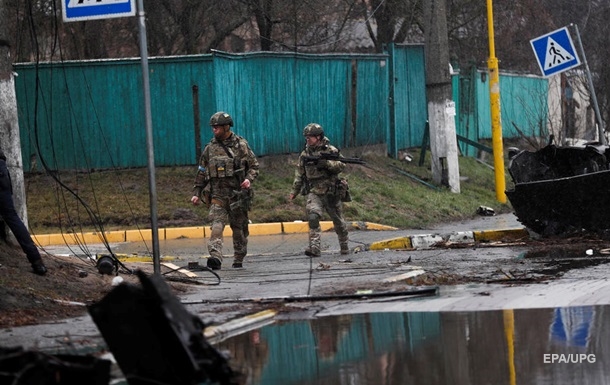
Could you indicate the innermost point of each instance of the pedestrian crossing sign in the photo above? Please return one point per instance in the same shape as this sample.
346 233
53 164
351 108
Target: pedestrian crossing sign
555 52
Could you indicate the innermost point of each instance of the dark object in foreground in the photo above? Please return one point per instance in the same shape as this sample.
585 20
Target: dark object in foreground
562 189
20 367
106 264
154 339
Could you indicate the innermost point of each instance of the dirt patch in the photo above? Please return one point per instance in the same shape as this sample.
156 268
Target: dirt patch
64 292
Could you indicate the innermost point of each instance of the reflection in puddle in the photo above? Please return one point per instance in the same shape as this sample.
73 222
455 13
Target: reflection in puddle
530 346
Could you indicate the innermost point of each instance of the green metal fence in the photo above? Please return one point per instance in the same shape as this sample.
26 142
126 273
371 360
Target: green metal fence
523 104
89 114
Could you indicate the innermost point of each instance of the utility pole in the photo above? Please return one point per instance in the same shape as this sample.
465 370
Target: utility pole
496 117
441 107
10 141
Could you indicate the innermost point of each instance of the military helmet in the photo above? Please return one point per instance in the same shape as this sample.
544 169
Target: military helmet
221 119
313 129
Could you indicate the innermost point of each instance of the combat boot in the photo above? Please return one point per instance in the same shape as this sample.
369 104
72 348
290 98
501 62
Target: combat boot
238 262
344 248
214 263
313 252
314 243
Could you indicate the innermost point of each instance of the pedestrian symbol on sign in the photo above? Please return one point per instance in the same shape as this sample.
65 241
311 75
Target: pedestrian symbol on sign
555 55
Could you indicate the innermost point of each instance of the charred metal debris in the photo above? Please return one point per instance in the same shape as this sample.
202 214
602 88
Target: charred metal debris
560 190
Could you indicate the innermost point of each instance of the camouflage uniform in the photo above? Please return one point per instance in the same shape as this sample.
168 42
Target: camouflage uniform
218 180
319 183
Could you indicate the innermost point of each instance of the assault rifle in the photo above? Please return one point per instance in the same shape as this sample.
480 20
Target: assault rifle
244 199
244 196
312 159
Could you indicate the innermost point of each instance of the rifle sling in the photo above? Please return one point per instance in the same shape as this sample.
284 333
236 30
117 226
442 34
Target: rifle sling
226 149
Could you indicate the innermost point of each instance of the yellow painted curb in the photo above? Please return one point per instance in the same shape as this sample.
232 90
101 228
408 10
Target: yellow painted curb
41 240
498 235
115 236
375 226
265 229
185 232
395 243
295 227
195 232
141 258
142 235
326 226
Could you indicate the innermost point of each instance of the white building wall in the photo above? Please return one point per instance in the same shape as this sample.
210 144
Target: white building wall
585 129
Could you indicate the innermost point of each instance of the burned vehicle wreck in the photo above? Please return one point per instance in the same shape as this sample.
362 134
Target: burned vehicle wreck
559 190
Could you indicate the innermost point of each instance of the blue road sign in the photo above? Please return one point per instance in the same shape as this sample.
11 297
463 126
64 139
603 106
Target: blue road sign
555 52
78 10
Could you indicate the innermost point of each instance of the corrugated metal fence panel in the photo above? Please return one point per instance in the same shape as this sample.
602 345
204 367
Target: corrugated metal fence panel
410 102
524 106
90 114
273 96
372 93
523 103
243 90
323 96
84 114
412 116
173 110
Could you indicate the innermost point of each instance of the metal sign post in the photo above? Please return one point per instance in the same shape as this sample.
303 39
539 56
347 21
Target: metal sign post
149 139
75 10
598 116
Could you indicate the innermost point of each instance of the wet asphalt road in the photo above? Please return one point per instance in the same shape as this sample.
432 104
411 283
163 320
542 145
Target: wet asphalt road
277 275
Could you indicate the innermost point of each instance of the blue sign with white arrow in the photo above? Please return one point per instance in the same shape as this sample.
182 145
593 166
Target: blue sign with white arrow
77 10
555 52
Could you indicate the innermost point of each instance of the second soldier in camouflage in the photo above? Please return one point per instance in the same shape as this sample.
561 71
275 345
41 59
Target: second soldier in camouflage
319 180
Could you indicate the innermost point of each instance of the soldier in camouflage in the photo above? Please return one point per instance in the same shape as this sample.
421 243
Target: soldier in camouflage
320 182
227 168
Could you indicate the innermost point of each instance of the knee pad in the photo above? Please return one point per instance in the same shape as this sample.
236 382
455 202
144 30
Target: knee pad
314 221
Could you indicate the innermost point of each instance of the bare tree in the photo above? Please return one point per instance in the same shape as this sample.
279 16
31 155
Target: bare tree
394 20
181 27
266 15
595 29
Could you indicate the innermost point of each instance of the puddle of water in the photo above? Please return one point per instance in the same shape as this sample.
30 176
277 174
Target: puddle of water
530 346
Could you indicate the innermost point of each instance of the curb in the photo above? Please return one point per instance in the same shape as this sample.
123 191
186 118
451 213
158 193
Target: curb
428 241
195 232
